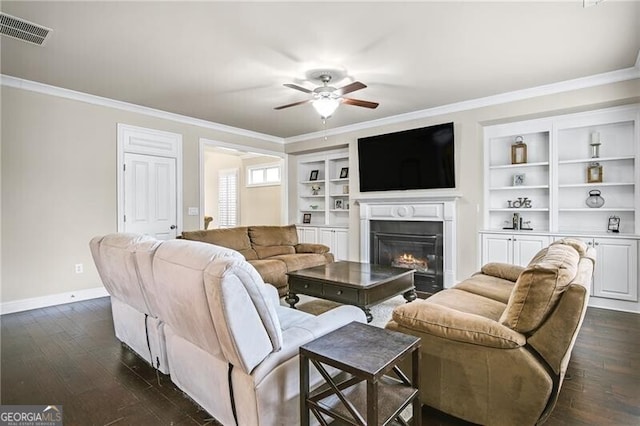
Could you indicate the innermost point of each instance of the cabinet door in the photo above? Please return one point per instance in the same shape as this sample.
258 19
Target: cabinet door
616 271
527 246
341 246
325 236
497 248
307 235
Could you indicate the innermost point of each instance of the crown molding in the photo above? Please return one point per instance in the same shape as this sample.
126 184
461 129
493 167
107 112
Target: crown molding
548 89
33 86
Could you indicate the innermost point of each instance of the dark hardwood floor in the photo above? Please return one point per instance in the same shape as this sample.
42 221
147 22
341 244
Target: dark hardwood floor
68 355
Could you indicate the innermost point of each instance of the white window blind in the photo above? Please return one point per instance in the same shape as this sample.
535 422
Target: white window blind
228 198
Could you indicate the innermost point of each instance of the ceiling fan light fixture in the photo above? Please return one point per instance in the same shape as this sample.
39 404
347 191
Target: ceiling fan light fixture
326 106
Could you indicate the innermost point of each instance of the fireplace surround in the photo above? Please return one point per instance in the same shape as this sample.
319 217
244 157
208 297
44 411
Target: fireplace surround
428 216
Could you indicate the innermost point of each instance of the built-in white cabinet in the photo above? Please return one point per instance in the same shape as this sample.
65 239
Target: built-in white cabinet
307 234
337 239
616 272
517 249
569 159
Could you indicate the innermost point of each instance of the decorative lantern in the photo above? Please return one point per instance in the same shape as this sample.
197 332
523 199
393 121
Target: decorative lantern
519 151
594 173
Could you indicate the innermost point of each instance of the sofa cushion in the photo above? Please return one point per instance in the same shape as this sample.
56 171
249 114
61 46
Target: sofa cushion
505 271
272 271
487 286
463 301
451 324
539 287
270 251
233 238
245 318
295 262
270 241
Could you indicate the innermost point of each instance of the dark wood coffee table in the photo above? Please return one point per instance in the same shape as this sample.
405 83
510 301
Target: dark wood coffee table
359 284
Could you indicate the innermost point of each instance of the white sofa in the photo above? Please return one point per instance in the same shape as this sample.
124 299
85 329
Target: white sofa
119 258
227 336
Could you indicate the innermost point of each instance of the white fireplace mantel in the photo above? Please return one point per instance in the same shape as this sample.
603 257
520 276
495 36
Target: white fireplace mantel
439 210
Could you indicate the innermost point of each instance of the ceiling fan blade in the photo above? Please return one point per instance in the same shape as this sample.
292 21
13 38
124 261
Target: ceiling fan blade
293 104
296 87
360 103
352 87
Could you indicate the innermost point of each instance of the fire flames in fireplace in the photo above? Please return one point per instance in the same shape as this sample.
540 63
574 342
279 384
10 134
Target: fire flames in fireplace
409 261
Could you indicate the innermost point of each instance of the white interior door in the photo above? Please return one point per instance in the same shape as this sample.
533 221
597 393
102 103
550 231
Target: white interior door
150 197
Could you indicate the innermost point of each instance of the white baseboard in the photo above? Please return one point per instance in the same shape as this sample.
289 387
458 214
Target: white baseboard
51 300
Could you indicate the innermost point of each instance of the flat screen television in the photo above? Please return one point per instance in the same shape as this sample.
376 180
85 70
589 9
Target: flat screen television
412 159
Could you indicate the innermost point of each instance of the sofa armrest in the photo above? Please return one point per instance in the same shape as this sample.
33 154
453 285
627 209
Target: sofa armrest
311 248
304 332
271 293
505 271
450 324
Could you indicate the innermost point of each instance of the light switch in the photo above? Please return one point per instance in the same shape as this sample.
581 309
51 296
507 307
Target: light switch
194 211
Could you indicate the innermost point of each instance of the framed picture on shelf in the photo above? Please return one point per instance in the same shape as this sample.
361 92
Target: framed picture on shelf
344 173
519 179
614 224
339 205
306 218
594 173
313 175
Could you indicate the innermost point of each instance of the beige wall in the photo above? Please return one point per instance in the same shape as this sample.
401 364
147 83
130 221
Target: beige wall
59 186
261 205
213 163
469 154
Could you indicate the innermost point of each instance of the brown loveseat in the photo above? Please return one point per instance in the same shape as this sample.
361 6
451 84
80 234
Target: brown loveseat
495 347
272 250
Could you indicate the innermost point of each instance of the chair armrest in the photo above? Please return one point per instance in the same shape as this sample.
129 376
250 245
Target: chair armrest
447 323
505 271
304 332
311 248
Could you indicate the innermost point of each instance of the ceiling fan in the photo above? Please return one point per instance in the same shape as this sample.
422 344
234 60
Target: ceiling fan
326 99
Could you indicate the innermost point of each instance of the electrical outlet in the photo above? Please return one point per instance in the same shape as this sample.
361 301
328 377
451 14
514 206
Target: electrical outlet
79 268
193 211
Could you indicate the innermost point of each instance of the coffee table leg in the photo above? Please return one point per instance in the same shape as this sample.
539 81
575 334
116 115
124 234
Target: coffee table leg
367 312
410 296
292 299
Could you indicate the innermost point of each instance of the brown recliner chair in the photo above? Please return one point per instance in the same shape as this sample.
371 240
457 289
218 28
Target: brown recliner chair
495 347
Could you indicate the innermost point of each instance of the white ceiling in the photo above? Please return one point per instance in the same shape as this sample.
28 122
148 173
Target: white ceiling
226 62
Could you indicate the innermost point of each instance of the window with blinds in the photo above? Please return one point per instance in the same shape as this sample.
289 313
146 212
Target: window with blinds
228 198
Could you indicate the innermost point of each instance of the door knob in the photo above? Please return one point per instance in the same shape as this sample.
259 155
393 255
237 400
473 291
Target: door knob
172 227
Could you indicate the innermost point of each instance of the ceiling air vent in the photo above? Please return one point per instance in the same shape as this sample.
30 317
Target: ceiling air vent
23 30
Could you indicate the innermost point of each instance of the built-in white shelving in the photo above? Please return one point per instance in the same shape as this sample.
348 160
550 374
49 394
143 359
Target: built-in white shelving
555 179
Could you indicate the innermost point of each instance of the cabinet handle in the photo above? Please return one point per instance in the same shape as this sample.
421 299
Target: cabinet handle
508 239
596 243
589 243
339 292
306 286
515 239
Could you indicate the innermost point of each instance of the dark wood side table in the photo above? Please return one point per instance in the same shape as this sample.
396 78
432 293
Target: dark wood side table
368 394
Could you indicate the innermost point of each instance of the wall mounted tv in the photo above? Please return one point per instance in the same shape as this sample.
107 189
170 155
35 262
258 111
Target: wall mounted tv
412 159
